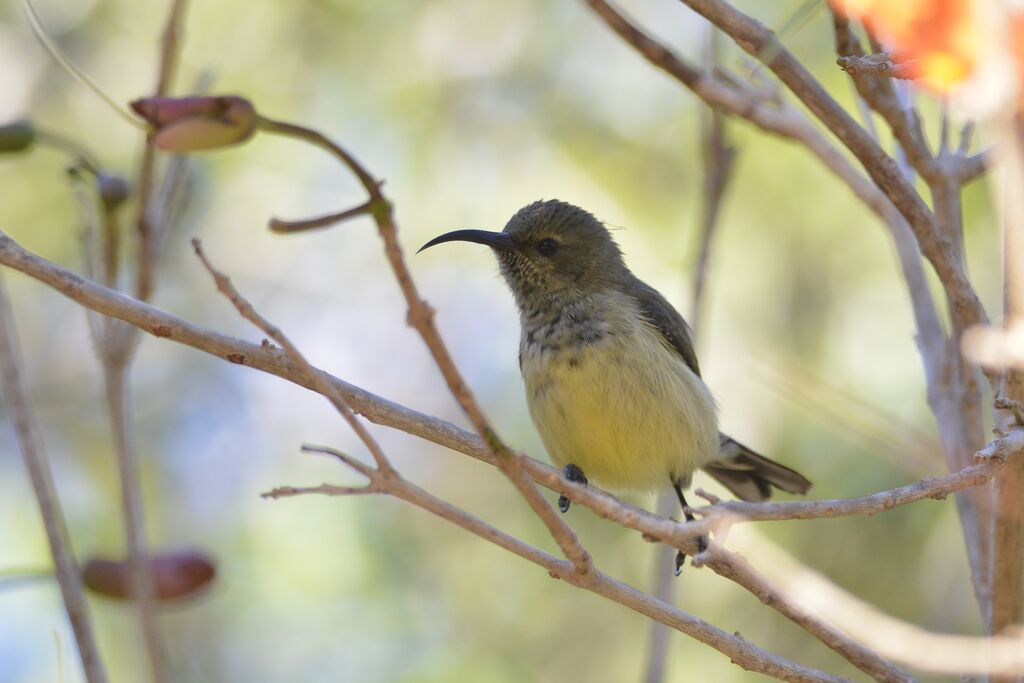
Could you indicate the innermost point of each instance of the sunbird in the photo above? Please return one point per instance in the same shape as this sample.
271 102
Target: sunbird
612 380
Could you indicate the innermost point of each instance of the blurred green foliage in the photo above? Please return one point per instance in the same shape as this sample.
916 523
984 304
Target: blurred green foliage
469 110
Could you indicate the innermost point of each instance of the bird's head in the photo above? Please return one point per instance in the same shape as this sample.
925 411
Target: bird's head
550 250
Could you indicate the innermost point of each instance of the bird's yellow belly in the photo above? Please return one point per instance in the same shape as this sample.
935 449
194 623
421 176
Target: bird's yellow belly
627 410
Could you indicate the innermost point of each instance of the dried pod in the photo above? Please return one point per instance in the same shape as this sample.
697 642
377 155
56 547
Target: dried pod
16 136
178 574
193 124
113 190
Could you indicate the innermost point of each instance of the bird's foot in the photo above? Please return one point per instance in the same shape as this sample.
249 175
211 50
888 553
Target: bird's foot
702 545
702 541
571 473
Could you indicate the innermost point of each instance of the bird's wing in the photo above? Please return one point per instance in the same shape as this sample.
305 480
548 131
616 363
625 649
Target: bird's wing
668 322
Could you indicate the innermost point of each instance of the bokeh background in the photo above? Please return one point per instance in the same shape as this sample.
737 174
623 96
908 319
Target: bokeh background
469 110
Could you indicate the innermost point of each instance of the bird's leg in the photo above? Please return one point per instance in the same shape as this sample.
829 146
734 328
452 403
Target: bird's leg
575 474
702 542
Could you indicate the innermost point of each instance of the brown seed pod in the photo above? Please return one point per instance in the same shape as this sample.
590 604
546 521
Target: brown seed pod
178 574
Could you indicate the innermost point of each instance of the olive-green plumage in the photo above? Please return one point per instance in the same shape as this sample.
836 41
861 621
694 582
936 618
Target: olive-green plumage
612 380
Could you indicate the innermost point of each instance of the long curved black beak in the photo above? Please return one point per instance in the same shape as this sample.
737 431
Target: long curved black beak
494 240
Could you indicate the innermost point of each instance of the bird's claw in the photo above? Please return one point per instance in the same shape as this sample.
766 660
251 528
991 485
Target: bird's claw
574 474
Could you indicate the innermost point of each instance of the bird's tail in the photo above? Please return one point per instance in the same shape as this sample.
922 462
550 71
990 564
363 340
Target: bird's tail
751 476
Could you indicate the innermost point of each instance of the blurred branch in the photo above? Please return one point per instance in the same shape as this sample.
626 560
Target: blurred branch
898 640
974 166
115 376
1008 531
69 146
32 450
116 353
719 159
147 218
739 650
664 582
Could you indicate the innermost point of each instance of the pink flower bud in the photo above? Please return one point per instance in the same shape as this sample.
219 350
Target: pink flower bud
193 124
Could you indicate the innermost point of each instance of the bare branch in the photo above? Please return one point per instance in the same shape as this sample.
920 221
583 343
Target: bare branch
278 225
974 166
32 450
934 488
739 651
322 489
719 159
115 377
758 41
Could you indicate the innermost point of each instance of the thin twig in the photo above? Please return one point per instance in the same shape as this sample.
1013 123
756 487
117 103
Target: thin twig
69 146
115 378
279 225
933 488
316 380
17 402
719 159
664 581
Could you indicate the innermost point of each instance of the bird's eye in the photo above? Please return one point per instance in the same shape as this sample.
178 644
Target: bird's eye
547 247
